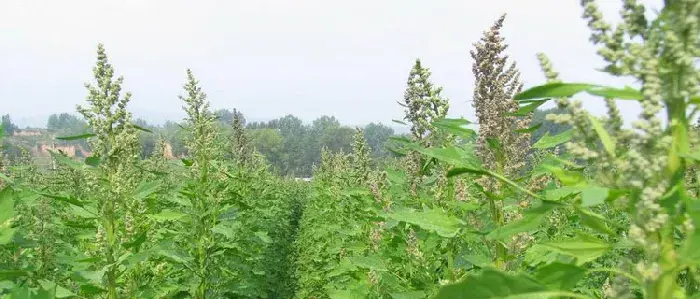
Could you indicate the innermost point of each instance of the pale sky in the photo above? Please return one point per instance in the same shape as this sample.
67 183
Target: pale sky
349 59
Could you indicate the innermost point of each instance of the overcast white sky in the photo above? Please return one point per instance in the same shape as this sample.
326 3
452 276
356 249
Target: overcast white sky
269 58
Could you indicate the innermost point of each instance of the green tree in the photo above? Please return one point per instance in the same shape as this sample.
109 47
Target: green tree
8 127
377 135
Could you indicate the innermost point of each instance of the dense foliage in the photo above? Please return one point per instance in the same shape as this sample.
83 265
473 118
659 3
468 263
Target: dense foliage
577 207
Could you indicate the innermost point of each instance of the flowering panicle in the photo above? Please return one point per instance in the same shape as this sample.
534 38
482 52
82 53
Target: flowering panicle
495 85
200 122
361 158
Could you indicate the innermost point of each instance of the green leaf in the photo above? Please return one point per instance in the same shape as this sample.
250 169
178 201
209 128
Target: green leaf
145 189
91 289
166 216
61 292
593 195
452 155
65 198
399 122
7 204
438 221
93 277
175 255
694 156
562 193
455 126
584 250
62 159
627 93
530 129
565 90
493 284
531 220
409 295
553 90
6 235
344 294
137 241
137 127
12 274
527 109
187 162
608 142
595 221
76 137
264 237
548 141
92 161
480 261
560 276
368 262
567 177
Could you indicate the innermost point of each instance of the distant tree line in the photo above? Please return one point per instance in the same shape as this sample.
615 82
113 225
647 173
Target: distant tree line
290 146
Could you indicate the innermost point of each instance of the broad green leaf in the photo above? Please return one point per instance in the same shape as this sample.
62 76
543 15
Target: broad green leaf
593 195
565 90
226 229
65 198
694 156
167 216
409 295
627 93
492 284
187 162
368 262
553 90
561 193
22 292
7 204
344 294
12 274
595 221
263 237
452 155
137 127
455 126
137 241
61 292
6 235
438 221
693 100
91 289
567 177
132 260
145 189
531 220
548 141
480 261
76 137
175 255
527 109
85 211
584 250
93 277
530 129
92 161
605 138
62 159
560 276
